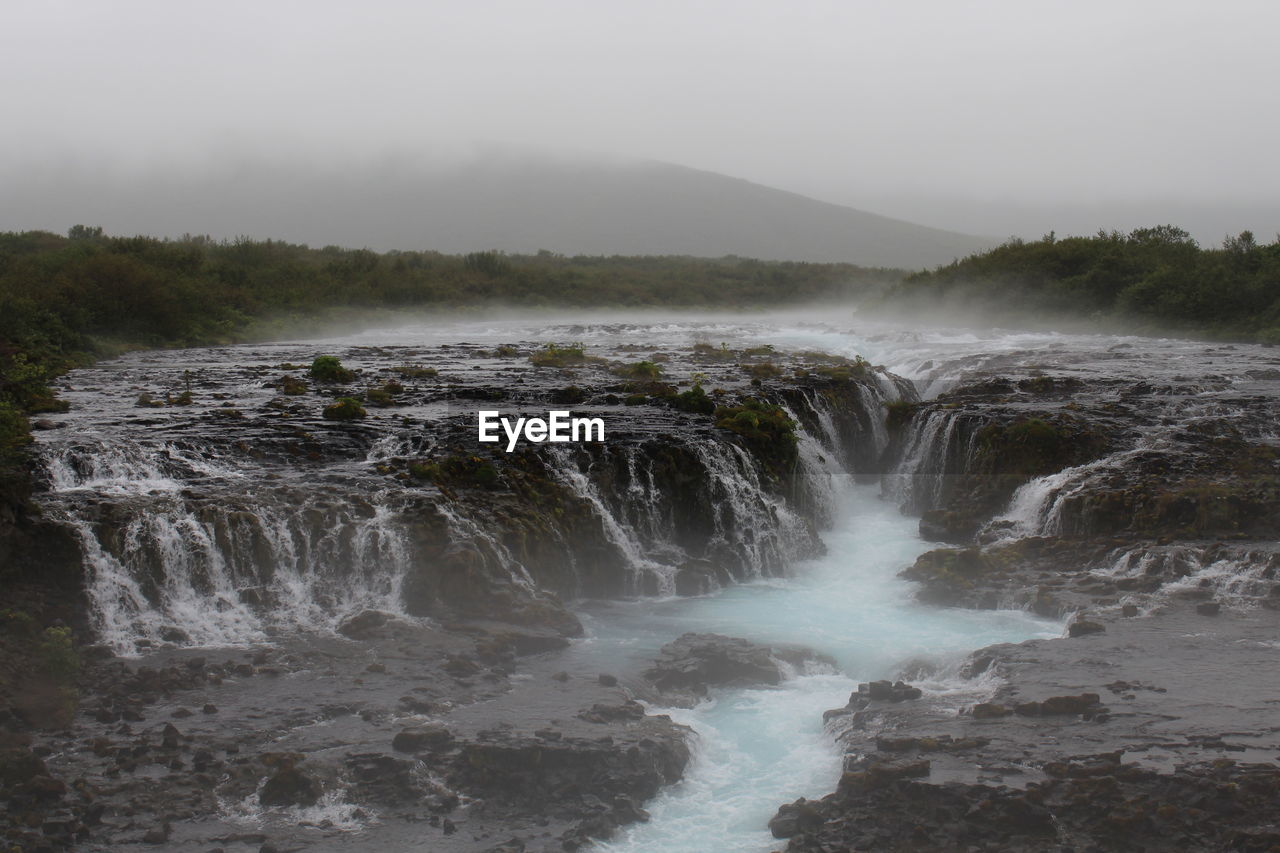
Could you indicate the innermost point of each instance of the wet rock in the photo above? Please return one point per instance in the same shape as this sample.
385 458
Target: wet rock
534 773
1209 608
989 711
1129 610
364 625
695 662
794 818
388 780
888 691
1069 704
600 713
157 835
874 773
1085 627
424 737
607 680
289 787
461 667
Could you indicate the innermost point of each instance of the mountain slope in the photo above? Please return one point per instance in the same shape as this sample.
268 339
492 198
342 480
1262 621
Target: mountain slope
511 204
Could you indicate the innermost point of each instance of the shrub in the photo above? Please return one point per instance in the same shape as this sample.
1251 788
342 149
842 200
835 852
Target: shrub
694 400
327 368
58 654
899 413
554 355
764 370
379 397
640 370
568 396
345 409
713 353
766 427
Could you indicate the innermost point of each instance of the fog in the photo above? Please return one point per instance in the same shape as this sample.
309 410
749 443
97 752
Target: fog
987 118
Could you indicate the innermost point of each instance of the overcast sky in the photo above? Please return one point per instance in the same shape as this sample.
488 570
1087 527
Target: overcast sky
876 104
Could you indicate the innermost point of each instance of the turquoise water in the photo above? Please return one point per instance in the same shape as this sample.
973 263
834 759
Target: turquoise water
759 748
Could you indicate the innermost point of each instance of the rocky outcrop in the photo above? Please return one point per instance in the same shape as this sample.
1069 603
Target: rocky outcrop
1138 761
694 663
692 490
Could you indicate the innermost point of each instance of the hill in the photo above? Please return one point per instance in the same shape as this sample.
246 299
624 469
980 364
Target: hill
517 204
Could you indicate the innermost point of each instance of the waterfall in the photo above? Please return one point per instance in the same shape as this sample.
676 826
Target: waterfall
214 572
743 528
932 454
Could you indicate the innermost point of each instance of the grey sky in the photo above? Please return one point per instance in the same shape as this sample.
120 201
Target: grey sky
865 103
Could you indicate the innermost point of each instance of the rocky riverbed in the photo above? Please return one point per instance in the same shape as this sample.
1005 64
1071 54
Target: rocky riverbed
298 631
1145 506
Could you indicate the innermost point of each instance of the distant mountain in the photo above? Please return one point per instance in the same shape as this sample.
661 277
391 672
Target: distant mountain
515 204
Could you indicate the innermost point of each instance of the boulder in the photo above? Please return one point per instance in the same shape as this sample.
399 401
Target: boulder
289 787
695 662
424 737
363 625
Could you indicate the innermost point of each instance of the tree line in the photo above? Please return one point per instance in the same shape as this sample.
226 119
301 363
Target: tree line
1149 280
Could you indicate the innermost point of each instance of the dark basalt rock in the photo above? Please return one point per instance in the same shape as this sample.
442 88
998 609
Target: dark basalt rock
695 662
887 691
419 738
1085 627
289 787
363 625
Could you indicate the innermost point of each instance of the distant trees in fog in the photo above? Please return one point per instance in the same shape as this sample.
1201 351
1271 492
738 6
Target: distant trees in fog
1149 278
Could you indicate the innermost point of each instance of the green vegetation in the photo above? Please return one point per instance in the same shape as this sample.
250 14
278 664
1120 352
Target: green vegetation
458 470
58 654
553 355
291 385
763 370
898 413
345 409
1031 447
640 370
327 368
713 353
766 427
694 400
1150 279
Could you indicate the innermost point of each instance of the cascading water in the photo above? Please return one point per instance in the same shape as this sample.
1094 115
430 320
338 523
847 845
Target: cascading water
187 545
932 454
758 748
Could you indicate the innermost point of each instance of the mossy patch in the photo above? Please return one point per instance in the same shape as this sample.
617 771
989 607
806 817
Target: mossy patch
768 430
556 355
458 471
345 409
327 368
